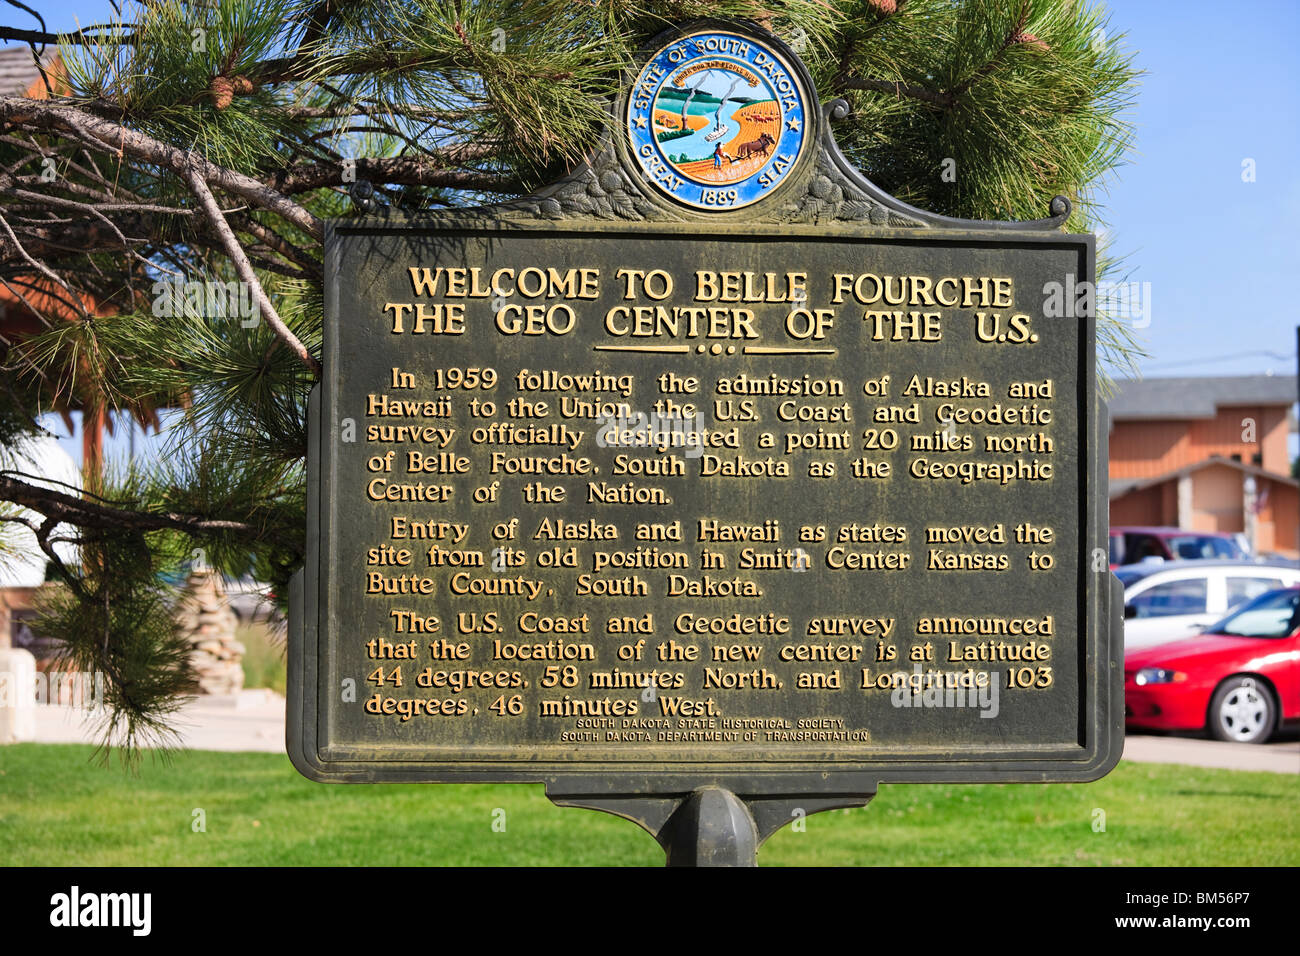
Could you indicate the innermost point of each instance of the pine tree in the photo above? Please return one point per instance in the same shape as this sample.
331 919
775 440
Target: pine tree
207 141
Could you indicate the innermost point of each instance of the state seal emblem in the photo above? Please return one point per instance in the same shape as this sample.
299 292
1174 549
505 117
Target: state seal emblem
717 120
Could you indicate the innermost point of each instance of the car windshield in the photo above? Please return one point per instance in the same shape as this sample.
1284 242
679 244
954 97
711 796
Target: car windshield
1275 614
1195 547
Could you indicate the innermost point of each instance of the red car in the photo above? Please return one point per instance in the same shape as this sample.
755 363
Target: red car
1239 679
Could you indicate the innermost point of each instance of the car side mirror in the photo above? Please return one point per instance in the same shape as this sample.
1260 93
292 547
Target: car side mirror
1130 612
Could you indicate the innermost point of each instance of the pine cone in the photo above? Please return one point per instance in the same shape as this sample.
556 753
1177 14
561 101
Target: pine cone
243 85
884 6
1029 40
222 90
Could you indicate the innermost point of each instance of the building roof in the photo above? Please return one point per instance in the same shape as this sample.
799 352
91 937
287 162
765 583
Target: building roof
1122 486
1196 397
18 71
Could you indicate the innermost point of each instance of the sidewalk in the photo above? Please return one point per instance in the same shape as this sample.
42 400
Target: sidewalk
252 720
1280 756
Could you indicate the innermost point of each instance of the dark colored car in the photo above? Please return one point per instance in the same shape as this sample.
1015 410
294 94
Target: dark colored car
1131 545
1239 680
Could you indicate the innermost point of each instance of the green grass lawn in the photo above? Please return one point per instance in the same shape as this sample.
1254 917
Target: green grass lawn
58 808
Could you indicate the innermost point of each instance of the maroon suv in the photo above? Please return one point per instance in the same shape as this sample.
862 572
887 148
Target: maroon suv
1131 545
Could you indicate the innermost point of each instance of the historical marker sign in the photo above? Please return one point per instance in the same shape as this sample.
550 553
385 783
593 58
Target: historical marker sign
711 465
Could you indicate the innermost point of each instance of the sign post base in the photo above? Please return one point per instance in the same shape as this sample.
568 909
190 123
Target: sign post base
710 826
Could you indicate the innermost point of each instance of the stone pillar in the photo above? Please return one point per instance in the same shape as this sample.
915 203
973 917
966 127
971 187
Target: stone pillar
204 617
1250 511
1185 502
17 695
6 624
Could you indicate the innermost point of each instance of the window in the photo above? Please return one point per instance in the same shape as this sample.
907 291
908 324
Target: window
1172 597
1241 590
1140 546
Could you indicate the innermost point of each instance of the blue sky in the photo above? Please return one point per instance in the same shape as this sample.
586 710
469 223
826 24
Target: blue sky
1221 88
1219 253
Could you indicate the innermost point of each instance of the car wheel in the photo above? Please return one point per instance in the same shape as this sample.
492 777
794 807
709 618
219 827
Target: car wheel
1242 711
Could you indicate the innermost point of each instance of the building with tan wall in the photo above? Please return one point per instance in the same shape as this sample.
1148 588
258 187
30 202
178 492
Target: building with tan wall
1207 454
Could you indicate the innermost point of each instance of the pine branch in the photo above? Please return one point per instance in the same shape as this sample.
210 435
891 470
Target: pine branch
112 137
317 21
435 170
60 508
37 264
245 269
406 110
92 209
273 240
945 100
1014 35
87 36
302 66
89 236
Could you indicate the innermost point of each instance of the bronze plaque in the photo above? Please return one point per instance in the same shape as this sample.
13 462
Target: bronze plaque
655 503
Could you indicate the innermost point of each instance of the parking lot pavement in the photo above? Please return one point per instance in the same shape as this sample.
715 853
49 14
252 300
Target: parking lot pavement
1280 756
252 720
